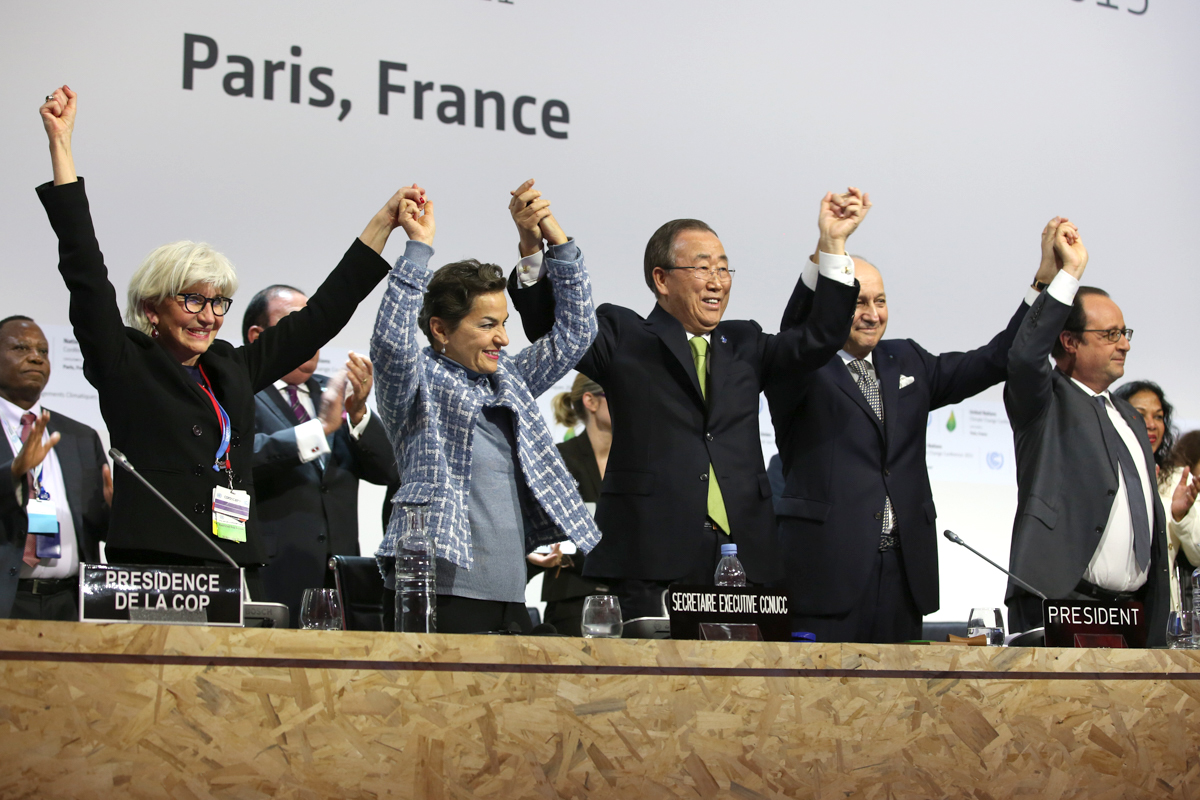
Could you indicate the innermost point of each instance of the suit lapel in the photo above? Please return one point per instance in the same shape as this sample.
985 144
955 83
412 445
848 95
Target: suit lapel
889 389
671 331
72 473
720 357
845 381
281 407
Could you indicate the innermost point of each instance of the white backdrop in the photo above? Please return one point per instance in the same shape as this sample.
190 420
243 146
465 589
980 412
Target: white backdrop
970 124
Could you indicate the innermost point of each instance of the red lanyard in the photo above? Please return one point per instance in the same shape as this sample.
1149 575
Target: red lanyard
222 421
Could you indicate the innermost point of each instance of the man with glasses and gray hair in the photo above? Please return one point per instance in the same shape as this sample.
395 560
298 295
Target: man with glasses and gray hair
685 473
1089 523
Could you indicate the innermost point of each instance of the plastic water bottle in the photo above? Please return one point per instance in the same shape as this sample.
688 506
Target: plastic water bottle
730 571
416 594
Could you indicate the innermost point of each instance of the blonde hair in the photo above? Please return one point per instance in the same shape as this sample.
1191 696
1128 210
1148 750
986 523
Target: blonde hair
568 406
169 270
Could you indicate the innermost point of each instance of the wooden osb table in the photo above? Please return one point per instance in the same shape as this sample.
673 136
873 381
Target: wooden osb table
136 711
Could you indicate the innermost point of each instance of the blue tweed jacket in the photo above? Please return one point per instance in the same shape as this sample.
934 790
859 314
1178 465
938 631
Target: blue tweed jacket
429 409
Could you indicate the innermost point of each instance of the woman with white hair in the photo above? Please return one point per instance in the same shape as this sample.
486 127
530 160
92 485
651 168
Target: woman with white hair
178 401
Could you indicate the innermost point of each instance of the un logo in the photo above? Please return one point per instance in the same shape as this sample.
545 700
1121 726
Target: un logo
995 460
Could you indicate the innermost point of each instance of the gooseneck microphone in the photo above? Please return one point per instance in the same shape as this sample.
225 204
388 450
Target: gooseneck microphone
954 537
120 459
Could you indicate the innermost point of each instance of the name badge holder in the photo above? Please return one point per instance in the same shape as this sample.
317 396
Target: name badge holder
230 507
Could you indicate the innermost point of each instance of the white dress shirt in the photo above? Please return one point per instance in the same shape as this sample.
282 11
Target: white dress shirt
67 564
1113 565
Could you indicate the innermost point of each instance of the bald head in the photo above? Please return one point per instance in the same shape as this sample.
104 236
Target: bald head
871 312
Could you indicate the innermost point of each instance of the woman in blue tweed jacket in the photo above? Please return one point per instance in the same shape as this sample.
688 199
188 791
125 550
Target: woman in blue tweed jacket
470 441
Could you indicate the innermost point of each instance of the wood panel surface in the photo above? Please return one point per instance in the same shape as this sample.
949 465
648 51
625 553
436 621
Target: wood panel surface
91 711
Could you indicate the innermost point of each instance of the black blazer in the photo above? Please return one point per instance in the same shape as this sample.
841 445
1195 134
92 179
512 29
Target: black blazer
311 507
580 459
654 496
155 412
1066 480
14 525
840 462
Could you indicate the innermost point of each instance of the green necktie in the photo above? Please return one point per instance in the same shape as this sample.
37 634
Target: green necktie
716 503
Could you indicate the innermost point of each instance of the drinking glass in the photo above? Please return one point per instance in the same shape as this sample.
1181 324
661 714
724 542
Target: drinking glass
321 610
601 617
1180 630
987 622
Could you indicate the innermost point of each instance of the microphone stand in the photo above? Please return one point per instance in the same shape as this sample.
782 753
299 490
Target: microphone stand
954 537
120 459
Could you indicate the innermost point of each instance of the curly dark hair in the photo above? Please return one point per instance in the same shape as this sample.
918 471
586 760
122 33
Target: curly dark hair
453 289
1128 390
1185 453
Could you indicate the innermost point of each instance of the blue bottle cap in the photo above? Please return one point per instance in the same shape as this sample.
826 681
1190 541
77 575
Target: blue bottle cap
728 550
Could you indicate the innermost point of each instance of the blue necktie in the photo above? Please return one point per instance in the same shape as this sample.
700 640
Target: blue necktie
1133 486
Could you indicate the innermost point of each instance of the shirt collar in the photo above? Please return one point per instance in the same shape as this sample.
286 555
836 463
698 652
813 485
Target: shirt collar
1107 397
12 412
847 358
282 385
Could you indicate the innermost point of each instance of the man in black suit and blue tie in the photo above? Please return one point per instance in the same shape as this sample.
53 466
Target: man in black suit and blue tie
857 523
685 472
308 459
1089 522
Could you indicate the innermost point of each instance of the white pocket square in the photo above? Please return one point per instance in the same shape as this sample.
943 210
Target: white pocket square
905 380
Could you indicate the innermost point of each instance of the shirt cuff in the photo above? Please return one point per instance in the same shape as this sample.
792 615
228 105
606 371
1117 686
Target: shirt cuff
1063 287
529 270
418 252
357 430
311 443
838 268
1031 294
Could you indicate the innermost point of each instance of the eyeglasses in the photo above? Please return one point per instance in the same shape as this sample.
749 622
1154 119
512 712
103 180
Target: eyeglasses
720 274
194 303
1111 335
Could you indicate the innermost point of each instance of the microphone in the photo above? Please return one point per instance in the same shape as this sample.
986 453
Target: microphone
954 537
120 459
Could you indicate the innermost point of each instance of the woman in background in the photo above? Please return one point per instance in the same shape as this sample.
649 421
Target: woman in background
586 454
1175 465
1148 399
1183 512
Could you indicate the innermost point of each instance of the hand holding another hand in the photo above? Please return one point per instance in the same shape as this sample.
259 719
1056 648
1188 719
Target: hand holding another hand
531 213
840 216
1069 249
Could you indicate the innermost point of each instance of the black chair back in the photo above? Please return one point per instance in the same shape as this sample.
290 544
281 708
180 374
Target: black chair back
361 588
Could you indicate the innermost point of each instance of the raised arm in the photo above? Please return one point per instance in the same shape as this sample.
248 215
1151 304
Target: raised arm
94 312
1027 390
397 340
838 218
283 347
532 295
574 328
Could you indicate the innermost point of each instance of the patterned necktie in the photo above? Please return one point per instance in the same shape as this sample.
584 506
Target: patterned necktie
30 555
294 401
870 390
1133 486
716 503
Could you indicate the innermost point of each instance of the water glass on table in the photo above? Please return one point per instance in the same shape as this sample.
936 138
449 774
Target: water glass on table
601 617
321 610
1181 630
987 622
